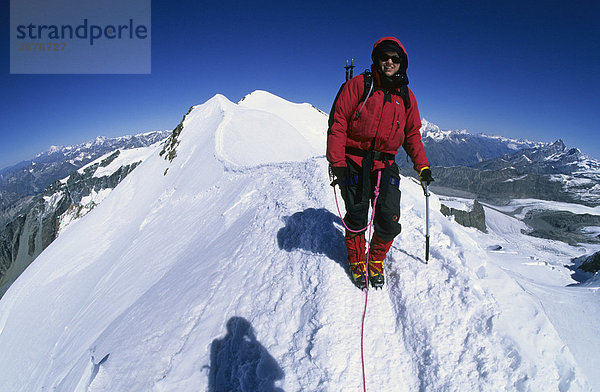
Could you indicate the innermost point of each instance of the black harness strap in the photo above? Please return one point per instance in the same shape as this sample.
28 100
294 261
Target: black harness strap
375 155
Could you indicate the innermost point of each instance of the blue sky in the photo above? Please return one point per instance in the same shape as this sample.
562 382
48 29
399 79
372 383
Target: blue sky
523 69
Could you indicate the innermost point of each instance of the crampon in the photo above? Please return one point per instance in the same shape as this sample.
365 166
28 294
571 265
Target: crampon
376 274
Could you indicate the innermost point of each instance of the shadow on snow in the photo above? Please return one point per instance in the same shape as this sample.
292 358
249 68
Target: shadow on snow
313 230
238 362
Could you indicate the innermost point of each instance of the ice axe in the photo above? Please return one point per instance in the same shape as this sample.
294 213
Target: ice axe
425 178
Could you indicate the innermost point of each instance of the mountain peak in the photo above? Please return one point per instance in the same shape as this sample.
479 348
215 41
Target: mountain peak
427 126
260 94
217 101
264 100
432 131
261 129
559 144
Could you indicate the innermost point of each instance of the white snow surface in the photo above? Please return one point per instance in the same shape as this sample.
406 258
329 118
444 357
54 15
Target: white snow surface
88 203
126 157
229 274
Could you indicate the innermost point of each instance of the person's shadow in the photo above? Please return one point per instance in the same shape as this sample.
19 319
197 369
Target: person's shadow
313 230
239 363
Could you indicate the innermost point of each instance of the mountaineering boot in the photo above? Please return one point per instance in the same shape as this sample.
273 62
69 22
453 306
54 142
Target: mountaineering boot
359 274
376 274
377 253
355 245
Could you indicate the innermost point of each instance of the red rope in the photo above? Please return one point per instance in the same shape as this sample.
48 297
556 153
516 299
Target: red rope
370 227
362 339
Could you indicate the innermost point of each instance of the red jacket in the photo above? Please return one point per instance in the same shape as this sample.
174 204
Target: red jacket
384 120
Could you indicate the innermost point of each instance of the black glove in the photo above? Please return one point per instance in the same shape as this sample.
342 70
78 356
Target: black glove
425 176
339 174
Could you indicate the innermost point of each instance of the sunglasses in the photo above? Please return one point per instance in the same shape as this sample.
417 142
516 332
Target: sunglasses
395 59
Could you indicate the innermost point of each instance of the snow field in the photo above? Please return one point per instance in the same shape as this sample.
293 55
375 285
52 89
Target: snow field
442 310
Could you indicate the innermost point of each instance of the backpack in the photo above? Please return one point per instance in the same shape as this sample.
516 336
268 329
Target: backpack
368 79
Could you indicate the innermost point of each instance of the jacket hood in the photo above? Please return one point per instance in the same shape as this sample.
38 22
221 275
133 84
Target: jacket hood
390 43
400 78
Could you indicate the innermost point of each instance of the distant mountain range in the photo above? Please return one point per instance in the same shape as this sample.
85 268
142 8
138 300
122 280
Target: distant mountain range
30 177
461 148
498 169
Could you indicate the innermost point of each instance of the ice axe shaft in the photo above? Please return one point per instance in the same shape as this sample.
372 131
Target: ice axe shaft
349 70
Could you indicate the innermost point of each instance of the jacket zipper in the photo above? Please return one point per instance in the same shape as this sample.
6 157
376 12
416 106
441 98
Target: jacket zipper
385 95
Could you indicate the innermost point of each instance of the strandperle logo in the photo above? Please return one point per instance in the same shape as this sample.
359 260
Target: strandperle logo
80 36
84 31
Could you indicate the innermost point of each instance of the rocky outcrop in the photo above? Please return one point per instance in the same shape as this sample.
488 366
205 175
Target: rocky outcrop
591 263
473 218
169 150
585 269
562 226
24 238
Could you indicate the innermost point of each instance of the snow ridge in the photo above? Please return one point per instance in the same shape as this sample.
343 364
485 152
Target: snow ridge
228 271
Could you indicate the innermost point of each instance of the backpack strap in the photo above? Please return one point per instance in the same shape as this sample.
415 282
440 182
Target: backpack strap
368 79
368 89
368 86
405 96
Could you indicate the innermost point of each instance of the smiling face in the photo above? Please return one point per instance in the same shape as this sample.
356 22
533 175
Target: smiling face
389 63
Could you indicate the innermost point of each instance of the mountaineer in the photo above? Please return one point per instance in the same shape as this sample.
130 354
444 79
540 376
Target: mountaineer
373 115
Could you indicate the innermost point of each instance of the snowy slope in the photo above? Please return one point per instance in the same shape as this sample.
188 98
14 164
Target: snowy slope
542 269
229 273
106 166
